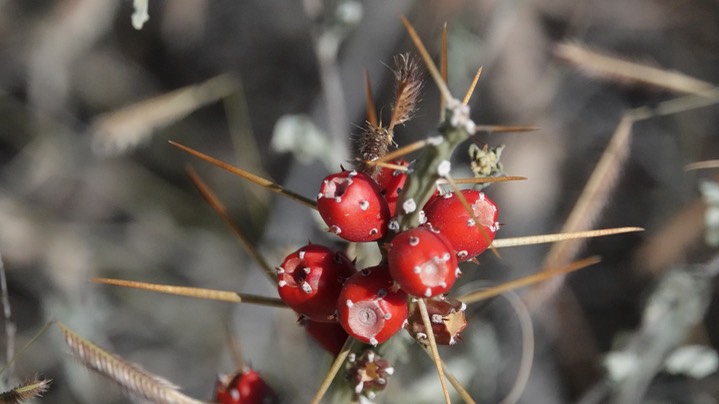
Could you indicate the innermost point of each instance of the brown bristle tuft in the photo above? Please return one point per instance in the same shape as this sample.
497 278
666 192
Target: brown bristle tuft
407 89
373 143
32 388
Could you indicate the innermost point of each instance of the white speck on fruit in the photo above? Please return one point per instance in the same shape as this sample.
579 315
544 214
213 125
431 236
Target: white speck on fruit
462 254
282 283
413 241
349 303
364 205
481 196
428 292
409 206
471 222
447 195
389 370
352 173
422 217
373 231
373 341
382 380
306 270
388 316
235 394
338 199
435 140
382 293
306 287
280 270
393 225
370 356
458 272
463 307
335 229
320 195
417 269
446 257
443 168
443 284
437 319
301 254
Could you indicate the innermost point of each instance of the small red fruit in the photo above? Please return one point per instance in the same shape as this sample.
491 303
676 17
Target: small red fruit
448 216
371 306
353 207
310 279
391 182
243 388
422 262
330 336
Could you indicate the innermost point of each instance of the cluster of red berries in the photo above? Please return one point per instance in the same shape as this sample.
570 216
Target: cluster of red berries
372 304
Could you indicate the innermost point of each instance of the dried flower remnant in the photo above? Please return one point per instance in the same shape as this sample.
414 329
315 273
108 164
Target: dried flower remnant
485 161
368 373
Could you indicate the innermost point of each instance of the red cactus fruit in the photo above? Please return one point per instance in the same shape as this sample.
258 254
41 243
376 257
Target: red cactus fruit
351 204
448 216
310 279
422 262
447 318
245 387
371 306
330 336
391 182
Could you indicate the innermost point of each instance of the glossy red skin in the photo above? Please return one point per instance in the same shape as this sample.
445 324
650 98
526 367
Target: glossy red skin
361 214
448 216
328 271
245 388
422 262
392 182
373 294
330 336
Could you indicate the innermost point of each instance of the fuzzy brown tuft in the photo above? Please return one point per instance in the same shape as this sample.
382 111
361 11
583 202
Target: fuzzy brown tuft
32 388
407 89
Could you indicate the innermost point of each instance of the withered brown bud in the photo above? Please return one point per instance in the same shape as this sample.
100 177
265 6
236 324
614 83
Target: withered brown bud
447 318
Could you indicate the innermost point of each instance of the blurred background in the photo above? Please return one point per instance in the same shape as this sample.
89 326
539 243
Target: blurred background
89 186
